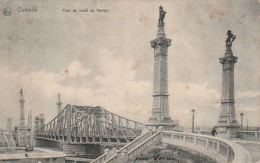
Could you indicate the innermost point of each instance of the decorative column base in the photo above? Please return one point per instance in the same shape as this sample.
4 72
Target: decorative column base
228 131
167 123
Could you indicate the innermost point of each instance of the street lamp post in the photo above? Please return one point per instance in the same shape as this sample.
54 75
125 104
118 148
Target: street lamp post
241 115
246 124
192 112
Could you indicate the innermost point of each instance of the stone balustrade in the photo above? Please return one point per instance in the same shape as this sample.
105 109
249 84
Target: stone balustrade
219 149
222 150
108 153
112 154
251 134
131 155
124 155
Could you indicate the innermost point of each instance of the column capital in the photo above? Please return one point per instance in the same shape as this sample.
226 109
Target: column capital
228 59
59 103
21 100
161 41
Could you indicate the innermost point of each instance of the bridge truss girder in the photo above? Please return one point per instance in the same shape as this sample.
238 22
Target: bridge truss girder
89 125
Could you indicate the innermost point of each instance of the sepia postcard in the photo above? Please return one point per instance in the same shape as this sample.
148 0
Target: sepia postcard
142 81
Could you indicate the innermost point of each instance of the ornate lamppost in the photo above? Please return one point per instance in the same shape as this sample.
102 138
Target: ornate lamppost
192 112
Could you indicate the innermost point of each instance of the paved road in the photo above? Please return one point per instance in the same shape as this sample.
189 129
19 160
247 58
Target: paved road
253 148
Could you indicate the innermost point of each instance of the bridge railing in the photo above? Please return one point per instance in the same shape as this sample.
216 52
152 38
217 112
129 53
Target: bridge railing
251 134
125 155
222 149
131 155
111 155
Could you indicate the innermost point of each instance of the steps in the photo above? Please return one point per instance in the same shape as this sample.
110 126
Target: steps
131 150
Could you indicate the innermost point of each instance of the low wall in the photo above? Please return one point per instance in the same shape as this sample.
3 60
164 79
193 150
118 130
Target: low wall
251 135
219 149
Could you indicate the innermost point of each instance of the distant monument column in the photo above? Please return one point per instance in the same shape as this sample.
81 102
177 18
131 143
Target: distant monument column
59 103
23 132
42 120
160 113
227 125
22 116
37 123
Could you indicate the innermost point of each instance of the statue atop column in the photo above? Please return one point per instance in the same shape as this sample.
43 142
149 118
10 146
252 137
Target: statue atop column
161 14
230 38
21 93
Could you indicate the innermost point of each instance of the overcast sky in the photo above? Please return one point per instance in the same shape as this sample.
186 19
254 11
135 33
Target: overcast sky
105 59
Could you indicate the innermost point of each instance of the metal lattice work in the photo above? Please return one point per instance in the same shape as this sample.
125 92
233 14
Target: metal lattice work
88 125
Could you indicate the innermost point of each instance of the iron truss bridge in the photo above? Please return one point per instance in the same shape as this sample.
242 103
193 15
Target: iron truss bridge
89 125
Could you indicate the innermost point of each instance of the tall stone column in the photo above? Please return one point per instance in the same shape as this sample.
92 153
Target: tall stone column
42 120
227 123
60 119
22 115
160 112
59 103
160 80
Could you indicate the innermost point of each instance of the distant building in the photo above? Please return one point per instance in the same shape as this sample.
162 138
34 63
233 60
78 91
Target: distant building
39 121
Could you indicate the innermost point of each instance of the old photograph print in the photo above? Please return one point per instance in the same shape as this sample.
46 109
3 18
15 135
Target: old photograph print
129 81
